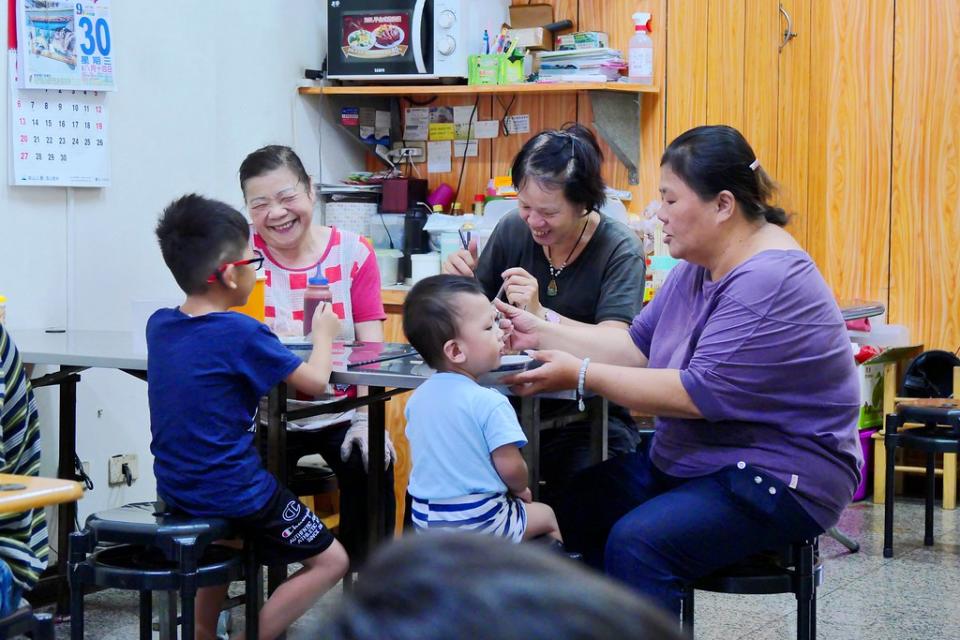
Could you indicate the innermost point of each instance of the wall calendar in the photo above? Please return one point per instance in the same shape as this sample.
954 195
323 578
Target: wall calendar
58 137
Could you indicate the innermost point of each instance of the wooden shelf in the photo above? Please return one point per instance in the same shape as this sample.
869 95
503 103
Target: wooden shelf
463 89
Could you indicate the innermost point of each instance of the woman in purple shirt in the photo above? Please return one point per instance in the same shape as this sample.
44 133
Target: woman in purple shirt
744 359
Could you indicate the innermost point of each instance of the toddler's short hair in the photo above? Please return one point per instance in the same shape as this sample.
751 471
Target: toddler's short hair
430 317
196 236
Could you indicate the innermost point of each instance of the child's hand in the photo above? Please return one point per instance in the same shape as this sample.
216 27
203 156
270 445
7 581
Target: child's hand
526 495
326 324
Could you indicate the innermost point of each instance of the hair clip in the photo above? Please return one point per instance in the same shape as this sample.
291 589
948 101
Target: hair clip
755 165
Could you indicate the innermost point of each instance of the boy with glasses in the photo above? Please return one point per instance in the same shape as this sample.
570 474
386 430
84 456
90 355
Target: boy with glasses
207 369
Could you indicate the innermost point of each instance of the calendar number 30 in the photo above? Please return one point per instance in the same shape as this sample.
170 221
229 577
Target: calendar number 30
96 36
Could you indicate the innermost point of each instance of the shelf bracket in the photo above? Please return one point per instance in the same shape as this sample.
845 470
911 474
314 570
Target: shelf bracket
616 117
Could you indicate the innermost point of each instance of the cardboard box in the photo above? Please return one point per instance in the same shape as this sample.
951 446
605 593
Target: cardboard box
532 38
871 376
527 21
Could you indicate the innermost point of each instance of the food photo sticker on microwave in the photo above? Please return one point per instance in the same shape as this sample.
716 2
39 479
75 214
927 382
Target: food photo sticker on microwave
375 35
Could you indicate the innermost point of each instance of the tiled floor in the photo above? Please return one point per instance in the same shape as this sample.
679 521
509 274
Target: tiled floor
864 596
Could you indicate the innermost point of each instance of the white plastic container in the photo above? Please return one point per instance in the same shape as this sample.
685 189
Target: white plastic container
882 335
423 265
388 262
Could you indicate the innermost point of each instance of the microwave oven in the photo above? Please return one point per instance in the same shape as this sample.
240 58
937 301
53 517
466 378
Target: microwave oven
409 39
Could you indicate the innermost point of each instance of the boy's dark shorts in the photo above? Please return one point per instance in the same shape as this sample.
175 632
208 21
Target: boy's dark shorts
286 530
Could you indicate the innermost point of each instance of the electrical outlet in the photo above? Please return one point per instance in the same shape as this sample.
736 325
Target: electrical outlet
85 465
115 468
416 151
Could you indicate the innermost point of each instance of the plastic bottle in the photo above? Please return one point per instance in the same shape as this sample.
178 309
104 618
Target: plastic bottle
457 210
640 58
317 291
3 309
478 201
438 208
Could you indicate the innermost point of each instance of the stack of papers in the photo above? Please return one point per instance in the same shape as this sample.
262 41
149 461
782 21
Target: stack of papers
581 65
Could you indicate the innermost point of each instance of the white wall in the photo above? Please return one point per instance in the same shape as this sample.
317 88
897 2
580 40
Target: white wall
201 84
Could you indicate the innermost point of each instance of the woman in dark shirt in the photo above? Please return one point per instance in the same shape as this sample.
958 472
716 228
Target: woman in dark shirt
561 259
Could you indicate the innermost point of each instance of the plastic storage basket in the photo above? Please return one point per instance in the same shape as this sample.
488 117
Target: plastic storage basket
351 215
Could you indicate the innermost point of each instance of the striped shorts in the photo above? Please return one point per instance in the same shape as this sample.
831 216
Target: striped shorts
498 514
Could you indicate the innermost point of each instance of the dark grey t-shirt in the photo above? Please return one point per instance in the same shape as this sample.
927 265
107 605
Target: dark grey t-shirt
605 282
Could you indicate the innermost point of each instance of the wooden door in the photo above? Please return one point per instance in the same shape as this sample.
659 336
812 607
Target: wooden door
849 130
925 234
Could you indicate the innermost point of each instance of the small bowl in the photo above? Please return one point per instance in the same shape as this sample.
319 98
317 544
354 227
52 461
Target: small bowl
509 365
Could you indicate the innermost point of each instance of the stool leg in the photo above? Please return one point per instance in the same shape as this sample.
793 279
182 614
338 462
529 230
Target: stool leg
950 478
890 444
254 589
76 606
146 615
188 618
686 612
928 505
43 627
879 471
806 588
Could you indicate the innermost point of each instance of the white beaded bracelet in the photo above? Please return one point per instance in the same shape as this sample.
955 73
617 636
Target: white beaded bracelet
581 378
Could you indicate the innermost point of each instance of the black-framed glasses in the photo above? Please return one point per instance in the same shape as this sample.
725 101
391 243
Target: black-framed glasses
256 261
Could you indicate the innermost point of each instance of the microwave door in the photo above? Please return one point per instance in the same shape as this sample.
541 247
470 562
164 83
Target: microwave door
419 37
369 39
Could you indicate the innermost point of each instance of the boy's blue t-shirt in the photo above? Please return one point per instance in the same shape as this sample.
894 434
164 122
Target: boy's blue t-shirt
205 377
453 425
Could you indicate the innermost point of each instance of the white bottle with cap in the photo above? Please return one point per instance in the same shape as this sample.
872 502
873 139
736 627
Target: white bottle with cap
640 58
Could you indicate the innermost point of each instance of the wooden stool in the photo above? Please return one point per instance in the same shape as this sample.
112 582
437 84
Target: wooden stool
949 470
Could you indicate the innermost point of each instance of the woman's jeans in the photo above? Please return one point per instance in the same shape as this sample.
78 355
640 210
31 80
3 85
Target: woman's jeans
658 533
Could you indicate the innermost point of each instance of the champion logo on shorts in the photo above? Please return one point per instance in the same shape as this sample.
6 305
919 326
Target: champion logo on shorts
291 511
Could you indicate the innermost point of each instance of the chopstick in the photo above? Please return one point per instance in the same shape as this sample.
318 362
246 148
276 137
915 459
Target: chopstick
499 293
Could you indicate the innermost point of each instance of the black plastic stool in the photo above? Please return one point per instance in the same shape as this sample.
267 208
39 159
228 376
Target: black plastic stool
932 438
24 621
154 550
796 570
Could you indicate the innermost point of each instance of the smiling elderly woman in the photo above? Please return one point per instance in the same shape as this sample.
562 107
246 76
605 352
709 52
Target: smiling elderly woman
280 199
744 358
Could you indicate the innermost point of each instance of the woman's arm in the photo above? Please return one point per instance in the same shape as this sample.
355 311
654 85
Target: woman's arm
651 391
601 343
655 392
371 331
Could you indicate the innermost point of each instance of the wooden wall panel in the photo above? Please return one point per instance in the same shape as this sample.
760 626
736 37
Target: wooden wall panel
685 87
791 164
925 262
545 111
760 81
615 18
850 124
724 70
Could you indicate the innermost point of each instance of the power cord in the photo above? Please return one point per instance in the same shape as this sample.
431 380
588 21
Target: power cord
463 160
506 112
80 474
